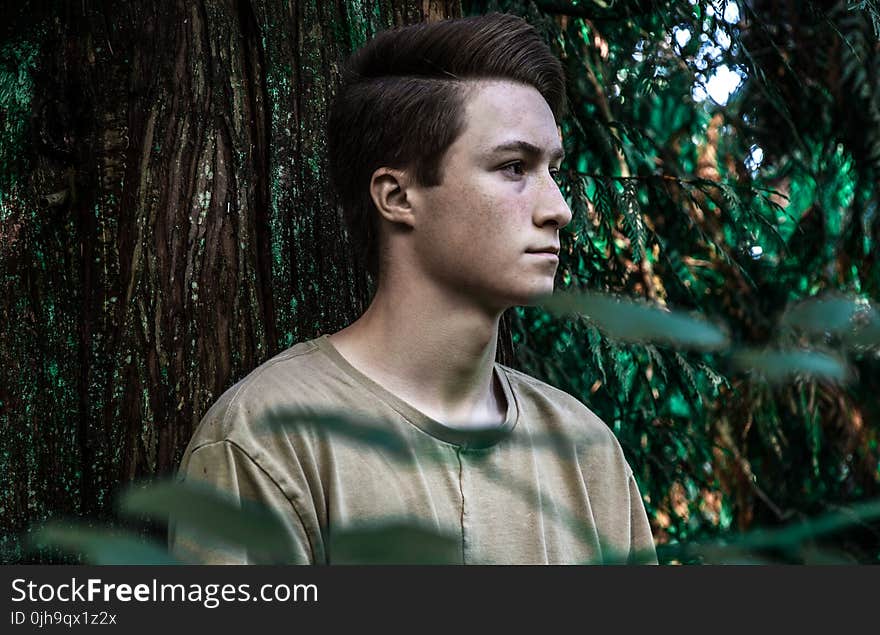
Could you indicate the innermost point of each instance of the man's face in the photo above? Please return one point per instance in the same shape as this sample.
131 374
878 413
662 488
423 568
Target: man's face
497 201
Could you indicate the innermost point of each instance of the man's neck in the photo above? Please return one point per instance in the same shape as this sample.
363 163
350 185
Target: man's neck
431 351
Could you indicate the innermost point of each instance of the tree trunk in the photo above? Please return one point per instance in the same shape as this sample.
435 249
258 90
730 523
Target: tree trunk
165 226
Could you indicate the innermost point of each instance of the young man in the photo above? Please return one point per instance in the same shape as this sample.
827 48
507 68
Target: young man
443 146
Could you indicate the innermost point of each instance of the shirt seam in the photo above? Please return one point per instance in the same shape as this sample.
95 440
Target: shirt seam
461 493
244 453
253 376
537 383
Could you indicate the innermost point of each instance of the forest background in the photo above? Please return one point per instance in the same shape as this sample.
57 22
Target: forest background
166 225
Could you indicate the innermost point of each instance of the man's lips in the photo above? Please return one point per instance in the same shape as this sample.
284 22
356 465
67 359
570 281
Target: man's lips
544 254
550 249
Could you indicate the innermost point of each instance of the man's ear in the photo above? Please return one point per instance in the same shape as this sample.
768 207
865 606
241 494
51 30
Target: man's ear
389 191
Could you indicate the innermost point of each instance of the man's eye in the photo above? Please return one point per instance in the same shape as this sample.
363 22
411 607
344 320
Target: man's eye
511 168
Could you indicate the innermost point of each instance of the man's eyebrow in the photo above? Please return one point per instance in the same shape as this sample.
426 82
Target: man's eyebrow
528 148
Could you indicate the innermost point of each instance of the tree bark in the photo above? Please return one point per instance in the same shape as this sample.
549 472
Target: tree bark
171 229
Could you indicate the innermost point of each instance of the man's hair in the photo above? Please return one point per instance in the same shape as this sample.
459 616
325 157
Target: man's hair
402 98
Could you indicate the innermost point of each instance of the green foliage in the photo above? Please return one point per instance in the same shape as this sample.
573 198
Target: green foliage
628 321
211 516
390 542
217 518
738 210
779 365
100 545
793 543
758 211
214 515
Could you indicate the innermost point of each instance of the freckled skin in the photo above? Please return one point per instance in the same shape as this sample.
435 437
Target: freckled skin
472 231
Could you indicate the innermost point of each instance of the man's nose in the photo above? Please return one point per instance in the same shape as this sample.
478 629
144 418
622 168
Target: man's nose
552 205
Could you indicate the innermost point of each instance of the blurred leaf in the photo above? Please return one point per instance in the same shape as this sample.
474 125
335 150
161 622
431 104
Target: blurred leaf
376 433
394 542
104 546
833 315
365 430
796 533
611 556
790 537
866 334
211 513
814 555
710 553
632 321
778 365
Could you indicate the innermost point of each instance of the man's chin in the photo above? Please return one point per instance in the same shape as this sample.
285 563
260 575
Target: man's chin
535 298
501 300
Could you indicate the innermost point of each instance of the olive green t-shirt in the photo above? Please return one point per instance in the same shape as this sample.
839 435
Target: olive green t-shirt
550 485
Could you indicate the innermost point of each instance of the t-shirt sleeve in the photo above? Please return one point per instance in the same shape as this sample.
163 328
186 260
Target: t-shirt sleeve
642 550
226 467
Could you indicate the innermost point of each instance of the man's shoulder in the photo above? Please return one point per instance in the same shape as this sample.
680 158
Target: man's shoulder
296 378
556 412
538 386
552 400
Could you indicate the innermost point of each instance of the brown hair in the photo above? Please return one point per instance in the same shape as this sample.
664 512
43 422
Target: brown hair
401 104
